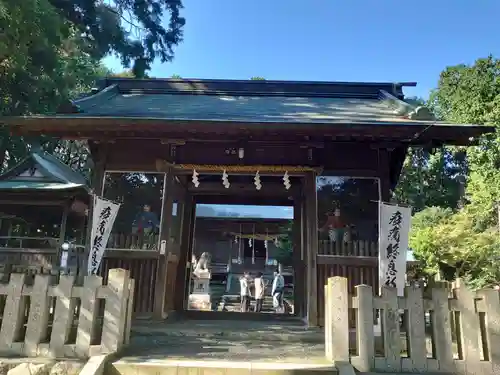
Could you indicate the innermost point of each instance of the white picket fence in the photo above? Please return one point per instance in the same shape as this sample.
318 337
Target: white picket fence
472 317
65 320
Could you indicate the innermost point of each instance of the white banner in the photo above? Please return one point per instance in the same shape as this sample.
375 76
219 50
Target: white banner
103 219
394 228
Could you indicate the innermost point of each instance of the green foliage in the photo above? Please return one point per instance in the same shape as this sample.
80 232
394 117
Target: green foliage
467 239
285 246
130 29
50 51
434 178
257 79
41 65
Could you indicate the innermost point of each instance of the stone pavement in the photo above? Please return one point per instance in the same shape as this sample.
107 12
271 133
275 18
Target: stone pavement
227 340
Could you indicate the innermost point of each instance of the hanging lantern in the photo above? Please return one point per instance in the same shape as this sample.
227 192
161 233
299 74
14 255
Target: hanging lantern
286 181
194 179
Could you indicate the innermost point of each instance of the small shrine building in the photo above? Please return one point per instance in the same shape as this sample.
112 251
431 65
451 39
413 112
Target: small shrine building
43 204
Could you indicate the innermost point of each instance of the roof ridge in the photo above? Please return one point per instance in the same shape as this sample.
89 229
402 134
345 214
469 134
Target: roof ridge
254 87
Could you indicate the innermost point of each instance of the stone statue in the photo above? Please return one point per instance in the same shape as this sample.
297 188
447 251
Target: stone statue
201 267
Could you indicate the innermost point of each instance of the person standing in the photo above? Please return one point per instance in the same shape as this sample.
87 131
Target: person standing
277 291
145 225
334 226
244 292
259 291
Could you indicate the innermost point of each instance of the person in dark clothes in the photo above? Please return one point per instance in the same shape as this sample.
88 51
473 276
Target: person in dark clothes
146 224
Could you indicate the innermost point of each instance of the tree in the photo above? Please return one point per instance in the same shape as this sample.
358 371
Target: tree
432 178
41 66
257 79
50 51
467 240
284 255
132 30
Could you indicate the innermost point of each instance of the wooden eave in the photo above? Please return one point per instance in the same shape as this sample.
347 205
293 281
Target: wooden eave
85 127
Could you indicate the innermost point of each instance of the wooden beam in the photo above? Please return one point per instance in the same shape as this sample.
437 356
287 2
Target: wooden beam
131 254
34 202
243 200
268 189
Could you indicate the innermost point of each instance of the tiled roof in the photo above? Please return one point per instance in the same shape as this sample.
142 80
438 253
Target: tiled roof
246 108
41 171
248 102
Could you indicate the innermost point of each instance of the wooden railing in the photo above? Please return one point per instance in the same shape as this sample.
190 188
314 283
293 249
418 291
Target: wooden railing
129 241
64 320
352 248
471 318
19 242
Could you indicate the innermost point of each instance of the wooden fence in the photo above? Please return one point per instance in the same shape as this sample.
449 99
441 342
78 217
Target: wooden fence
65 320
462 335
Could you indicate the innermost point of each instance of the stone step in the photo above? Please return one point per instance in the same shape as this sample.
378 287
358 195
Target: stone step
203 367
181 346
265 332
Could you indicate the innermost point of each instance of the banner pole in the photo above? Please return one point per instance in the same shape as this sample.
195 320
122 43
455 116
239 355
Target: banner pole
88 240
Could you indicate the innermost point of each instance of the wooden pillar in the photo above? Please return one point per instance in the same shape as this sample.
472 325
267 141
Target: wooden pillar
161 269
299 280
311 246
185 253
384 175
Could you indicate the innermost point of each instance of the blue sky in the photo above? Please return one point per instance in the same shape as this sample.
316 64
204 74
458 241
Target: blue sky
331 40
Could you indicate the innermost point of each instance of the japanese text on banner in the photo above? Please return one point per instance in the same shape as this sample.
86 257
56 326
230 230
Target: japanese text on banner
393 245
102 222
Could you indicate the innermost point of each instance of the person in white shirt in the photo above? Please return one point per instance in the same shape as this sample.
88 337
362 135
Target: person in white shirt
277 291
244 292
259 291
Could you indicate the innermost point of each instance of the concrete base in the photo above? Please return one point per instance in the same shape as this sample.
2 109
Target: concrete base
200 302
